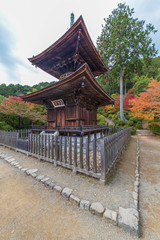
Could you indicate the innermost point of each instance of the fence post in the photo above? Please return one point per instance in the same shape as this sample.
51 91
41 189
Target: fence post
75 156
103 161
87 153
56 151
94 155
81 152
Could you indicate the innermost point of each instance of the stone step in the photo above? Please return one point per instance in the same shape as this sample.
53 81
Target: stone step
144 132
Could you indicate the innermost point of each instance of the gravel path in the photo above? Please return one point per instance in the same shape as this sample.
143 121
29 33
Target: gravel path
120 184
30 211
150 186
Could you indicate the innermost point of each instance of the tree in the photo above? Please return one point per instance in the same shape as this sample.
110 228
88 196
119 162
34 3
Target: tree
2 98
15 105
141 84
130 95
125 40
147 105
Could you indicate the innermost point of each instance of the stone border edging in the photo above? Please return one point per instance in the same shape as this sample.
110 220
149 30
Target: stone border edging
127 218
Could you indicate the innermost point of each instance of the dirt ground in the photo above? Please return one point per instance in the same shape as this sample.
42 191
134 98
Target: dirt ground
30 211
150 186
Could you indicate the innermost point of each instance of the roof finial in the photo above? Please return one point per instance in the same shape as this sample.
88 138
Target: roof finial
72 19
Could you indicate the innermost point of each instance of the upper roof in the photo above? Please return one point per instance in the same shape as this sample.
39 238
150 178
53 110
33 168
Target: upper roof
71 84
73 49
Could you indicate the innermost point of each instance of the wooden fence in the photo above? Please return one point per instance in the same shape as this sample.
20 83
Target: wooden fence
96 157
9 138
14 139
111 149
90 155
23 133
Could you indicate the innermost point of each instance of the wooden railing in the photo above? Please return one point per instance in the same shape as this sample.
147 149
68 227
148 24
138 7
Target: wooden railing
92 156
9 138
111 149
80 130
76 153
15 139
23 133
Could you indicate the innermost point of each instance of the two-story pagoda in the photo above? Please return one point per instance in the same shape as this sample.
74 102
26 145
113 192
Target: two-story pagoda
74 60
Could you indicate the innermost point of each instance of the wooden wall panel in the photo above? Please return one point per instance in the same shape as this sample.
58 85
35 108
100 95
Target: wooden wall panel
71 116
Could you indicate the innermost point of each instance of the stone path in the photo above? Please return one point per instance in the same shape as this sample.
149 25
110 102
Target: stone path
150 187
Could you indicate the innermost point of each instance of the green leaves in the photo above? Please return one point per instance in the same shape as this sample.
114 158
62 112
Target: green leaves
124 38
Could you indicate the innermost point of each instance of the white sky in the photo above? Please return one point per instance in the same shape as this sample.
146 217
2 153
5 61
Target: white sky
34 25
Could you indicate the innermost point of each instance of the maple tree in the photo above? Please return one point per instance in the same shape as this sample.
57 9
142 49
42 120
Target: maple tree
147 105
15 105
126 101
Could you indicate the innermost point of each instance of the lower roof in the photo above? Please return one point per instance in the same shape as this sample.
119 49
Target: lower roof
69 85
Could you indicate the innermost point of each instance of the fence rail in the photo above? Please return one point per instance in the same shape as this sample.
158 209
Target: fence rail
75 153
89 155
23 133
93 155
111 149
9 138
16 139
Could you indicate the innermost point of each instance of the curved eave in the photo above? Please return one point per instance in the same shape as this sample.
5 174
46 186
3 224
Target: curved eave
61 41
38 96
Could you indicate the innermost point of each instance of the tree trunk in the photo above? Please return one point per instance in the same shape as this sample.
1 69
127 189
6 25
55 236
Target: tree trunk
125 88
121 95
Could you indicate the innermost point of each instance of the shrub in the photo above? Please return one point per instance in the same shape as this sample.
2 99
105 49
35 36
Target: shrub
155 127
121 122
139 125
134 119
5 127
110 116
111 126
130 123
133 130
101 119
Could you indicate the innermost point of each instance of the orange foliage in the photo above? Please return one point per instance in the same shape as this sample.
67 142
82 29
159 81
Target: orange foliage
147 104
15 105
126 101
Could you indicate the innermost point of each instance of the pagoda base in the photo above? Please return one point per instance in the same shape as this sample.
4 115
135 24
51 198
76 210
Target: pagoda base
73 130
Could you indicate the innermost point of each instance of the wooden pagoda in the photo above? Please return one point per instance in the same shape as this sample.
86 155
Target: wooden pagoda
74 60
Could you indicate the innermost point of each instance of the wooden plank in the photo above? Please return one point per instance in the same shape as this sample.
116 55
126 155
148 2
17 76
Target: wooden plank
81 152
41 145
56 148
94 156
48 146
65 149
75 152
52 147
103 142
29 142
44 146
60 149
87 154
33 143
70 151
36 147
